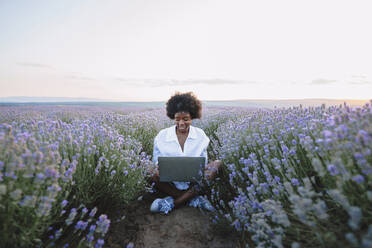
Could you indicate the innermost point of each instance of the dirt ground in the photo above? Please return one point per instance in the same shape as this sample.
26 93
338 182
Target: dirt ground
183 227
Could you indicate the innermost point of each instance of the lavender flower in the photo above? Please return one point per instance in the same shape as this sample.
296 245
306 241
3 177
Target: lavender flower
64 203
295 182
358 179
100 243
332 169
130 245
82 225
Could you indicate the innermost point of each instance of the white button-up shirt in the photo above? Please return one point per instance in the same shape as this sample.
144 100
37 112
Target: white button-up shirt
166 145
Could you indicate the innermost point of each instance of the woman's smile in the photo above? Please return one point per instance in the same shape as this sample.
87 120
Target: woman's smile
183 122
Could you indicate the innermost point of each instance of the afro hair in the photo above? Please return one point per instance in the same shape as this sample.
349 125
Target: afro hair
184 102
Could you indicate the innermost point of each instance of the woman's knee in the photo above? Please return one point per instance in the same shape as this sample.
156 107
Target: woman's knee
213 168
194 188
215 165
218 164
155 178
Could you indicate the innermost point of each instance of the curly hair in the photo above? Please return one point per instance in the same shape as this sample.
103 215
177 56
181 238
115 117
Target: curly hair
184 102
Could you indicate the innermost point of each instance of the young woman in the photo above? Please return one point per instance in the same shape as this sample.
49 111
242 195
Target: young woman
182 139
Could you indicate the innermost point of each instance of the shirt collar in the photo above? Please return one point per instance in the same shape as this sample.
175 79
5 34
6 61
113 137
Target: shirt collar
171 134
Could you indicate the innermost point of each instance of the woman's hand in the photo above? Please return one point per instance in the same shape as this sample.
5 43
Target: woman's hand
155 173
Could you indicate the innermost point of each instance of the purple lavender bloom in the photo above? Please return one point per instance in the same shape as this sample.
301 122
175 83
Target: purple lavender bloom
93 212
236 224
332 169
58 234
130 245
92 228
51 172
256 205
99 243
277 179
69 172
358 179
264 186
358 155
103 223
295 181
81 225
90 237
285 149
269 213
327 133
64 203
40 176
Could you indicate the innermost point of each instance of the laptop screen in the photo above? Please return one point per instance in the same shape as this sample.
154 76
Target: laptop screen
182 169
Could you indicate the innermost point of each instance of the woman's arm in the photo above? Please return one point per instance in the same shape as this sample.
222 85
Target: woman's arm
205 147
205 154
156 152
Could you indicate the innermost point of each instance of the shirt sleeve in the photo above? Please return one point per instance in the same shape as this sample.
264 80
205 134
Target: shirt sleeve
156 151
205 152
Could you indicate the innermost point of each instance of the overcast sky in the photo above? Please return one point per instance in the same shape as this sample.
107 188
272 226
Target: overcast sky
145 50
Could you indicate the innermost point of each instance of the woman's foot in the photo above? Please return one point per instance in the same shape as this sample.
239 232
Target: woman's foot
162 205
202 203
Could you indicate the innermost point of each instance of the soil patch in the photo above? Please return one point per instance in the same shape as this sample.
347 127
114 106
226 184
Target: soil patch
183 227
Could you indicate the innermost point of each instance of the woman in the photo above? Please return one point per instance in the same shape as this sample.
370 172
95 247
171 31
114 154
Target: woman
182 139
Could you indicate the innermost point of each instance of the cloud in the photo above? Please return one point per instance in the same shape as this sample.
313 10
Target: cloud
322 81
74 77
35 65
358 79
360 82
177 82
215 81
359 76
132 81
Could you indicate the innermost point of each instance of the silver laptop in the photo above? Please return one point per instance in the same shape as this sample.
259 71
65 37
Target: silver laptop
181 169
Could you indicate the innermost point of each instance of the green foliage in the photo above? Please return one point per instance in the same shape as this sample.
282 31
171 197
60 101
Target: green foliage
298 175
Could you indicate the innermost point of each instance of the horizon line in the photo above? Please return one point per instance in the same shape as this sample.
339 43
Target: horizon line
84 99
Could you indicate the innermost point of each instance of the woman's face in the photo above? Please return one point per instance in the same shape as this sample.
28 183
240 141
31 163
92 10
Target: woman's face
183 121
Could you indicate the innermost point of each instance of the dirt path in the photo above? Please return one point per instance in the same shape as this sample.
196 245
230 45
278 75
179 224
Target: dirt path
183 227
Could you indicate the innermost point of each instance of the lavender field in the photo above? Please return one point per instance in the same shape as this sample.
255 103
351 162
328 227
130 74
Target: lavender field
293 177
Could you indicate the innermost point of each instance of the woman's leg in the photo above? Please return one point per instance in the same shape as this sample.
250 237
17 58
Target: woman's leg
186 196
183 196
211 169
167 188
180 196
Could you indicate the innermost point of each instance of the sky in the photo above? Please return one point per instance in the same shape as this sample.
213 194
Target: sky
146 50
